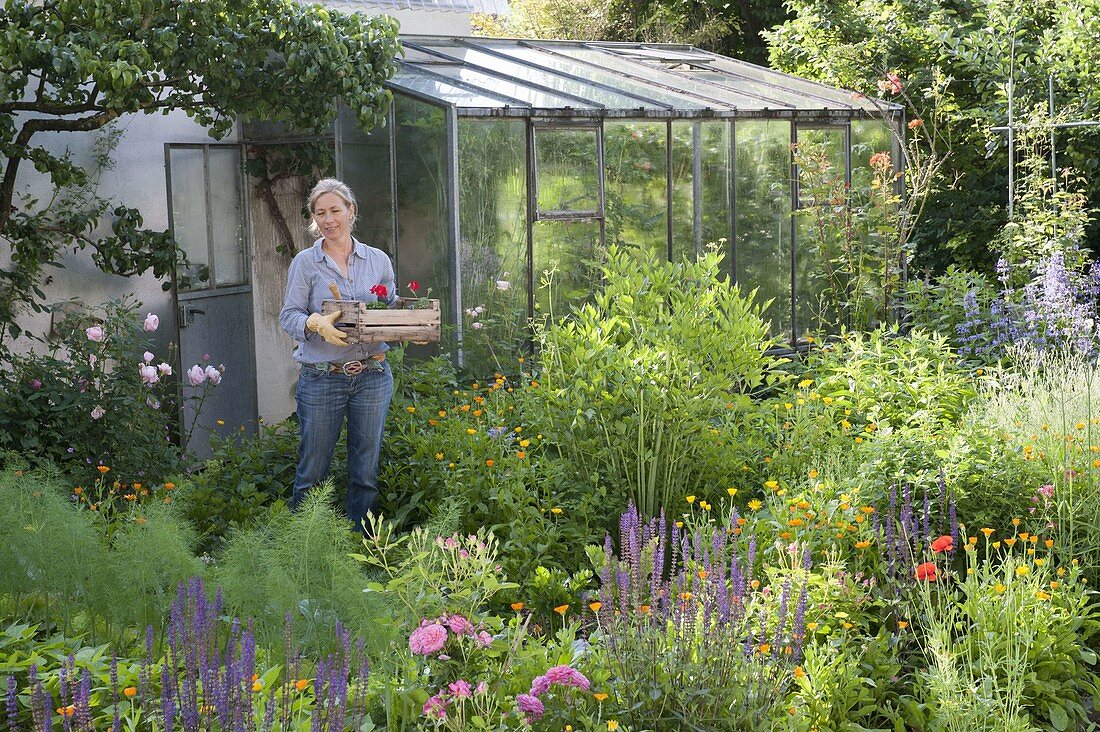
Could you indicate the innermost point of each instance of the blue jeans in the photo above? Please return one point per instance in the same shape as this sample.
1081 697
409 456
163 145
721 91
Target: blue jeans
324 399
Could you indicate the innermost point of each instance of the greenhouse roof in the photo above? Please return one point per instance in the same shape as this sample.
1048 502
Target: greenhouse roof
534 78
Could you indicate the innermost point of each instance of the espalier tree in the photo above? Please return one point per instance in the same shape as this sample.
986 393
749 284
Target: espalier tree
74 66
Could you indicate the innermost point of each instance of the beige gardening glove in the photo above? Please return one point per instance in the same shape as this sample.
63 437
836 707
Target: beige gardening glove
325 326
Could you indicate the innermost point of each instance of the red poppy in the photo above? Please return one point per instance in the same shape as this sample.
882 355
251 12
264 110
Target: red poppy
943 544
379 291
414 285
926 572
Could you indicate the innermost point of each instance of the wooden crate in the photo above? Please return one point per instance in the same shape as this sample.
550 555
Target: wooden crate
402 322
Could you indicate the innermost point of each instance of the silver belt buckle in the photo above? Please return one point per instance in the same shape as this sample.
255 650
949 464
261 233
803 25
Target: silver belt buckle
352 368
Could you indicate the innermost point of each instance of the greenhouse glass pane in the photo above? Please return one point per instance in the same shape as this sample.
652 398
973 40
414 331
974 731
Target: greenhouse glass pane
649 72
635 162
700 187
511 89
544 78
763 210
444 92
189 211
365 166
566 265
423 253
227 216
630 86
567 170
492 164
824 241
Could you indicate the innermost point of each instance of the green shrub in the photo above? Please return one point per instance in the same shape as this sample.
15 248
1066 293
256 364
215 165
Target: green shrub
299 563
630 381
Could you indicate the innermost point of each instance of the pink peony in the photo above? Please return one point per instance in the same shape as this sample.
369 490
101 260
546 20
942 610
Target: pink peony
435 707
559 676
482 687
427 639
484 639
460 625
213 375
95 333
1047 490
148 357
531 706
165 369
195 375
149 374
98 412
460 689
152 322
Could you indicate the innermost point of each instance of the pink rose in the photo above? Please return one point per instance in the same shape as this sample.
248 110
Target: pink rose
195 375
149 374
95 333
36 384
427 639
531 706
151 323
484 639
213 375
435 707
98 412
148 357
164 369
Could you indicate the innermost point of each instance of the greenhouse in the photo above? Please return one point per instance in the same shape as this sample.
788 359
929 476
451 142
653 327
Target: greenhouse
508 165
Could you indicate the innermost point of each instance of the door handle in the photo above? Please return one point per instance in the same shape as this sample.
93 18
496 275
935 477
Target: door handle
187 314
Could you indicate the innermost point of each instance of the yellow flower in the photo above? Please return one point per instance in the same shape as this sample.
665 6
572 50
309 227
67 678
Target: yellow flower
1010 542
813 473
221 422
477 412
863 544
999 588
788 405
556 511
410 410
471 431
1054 584
809 626
1021 571
903 624
731 491
690 499
612 725
859 440
805 383
517 430
987 531
524 443
1042 595
799 673
1015 522
1080 425
439 456
257 686
705 506
795 522
442 412
755 505
599 697
103 469
771 484
1049 543
595 606
1039 561
561 610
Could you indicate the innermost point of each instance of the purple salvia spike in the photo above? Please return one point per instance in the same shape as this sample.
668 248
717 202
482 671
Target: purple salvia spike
167 703
781 619
800 622
116 723
12 704
906 519
953 519
318 693
875 528
926 517
807 558
83 702
737 580
750 561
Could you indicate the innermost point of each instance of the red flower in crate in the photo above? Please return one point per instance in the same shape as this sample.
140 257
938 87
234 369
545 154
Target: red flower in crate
379 291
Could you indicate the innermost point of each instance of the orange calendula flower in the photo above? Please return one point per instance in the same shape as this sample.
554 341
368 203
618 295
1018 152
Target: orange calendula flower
521 454
103 469
490 463
799 673
129 692
595 606
644 609
517 606
863 544
301 684
561 610
903 624
600 696
410 409
1010 542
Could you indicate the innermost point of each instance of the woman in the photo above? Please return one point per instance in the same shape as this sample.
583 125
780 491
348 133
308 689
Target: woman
338 379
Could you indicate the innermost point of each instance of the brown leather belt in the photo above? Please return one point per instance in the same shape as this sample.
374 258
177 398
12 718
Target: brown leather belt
352 368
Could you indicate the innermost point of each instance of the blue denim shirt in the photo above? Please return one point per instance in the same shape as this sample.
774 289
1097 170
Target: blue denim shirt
308 279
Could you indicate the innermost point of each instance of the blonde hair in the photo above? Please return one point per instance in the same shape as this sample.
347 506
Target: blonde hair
331 185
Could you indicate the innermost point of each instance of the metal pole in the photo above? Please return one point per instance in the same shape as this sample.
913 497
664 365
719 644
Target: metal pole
1011 136
1053 153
